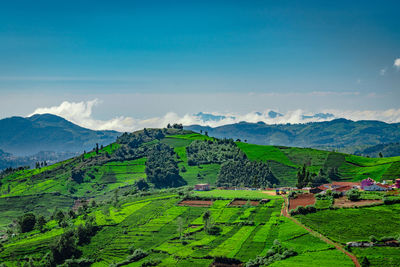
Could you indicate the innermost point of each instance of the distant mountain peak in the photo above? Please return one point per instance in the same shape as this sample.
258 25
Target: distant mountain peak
272 114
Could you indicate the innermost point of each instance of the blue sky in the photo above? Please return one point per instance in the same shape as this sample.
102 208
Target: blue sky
55 51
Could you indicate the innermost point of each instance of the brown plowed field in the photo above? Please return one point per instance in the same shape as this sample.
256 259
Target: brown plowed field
196 203
302 200
239 203
344 202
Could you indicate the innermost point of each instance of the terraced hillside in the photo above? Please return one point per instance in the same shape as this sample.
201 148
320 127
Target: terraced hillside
123 164
174 235
110 202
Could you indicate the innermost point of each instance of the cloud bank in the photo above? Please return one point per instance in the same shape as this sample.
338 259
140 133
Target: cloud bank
81 114
397 63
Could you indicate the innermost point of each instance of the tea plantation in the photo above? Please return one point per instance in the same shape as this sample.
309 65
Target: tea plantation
120 205
175 235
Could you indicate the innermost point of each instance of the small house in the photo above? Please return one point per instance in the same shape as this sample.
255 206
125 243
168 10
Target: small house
202 187
397 184
376 187
367 183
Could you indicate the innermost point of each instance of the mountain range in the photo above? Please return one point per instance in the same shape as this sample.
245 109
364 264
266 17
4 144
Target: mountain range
340 134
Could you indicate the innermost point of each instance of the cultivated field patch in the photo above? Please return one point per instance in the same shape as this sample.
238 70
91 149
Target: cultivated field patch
302 200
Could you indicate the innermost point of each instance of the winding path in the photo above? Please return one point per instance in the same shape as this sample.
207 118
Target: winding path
285 213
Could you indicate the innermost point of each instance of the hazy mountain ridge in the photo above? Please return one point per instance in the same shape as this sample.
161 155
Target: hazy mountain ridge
26 136
335 134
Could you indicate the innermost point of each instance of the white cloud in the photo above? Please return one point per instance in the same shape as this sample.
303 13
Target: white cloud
397 63
81 113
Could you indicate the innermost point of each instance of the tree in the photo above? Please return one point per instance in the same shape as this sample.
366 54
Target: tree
40 223
27 222
179 222
207 220
365 262
64 248
142 185
353 195
97 148
380 155
59 216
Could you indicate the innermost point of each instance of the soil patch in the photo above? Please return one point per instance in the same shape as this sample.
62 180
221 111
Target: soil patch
302 200
344 202
271 193
196 203
239 203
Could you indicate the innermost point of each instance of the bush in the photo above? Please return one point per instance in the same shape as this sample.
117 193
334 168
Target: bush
64 248
391 200
153 262
303 210
137 255
214 230
353 195
27 222
77 262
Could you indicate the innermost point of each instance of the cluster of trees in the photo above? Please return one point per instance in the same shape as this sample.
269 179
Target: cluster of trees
39 164
10 170
246 173
305 178
66 246
175 126
162 167
28 222
275 253
135 139
209 226
213 151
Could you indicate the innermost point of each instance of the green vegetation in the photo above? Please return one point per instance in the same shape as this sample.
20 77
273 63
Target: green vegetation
346 225
127 211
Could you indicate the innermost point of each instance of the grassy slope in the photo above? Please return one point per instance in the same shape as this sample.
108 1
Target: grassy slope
285 161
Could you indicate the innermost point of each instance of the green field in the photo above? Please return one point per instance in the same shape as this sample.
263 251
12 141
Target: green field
345 225
151 223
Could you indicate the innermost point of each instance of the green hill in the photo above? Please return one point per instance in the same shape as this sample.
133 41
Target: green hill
123 164
135 184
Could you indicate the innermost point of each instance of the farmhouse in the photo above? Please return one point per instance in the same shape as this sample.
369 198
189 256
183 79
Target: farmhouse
397 184
367 182
376 187
341 187
202 187
370 185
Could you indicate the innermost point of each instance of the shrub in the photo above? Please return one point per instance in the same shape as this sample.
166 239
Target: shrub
77 262
353 195
214 230
391 200
152 262
27 222
64 248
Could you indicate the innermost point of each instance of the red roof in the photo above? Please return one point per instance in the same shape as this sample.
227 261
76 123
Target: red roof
384 185
346 183
343 188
